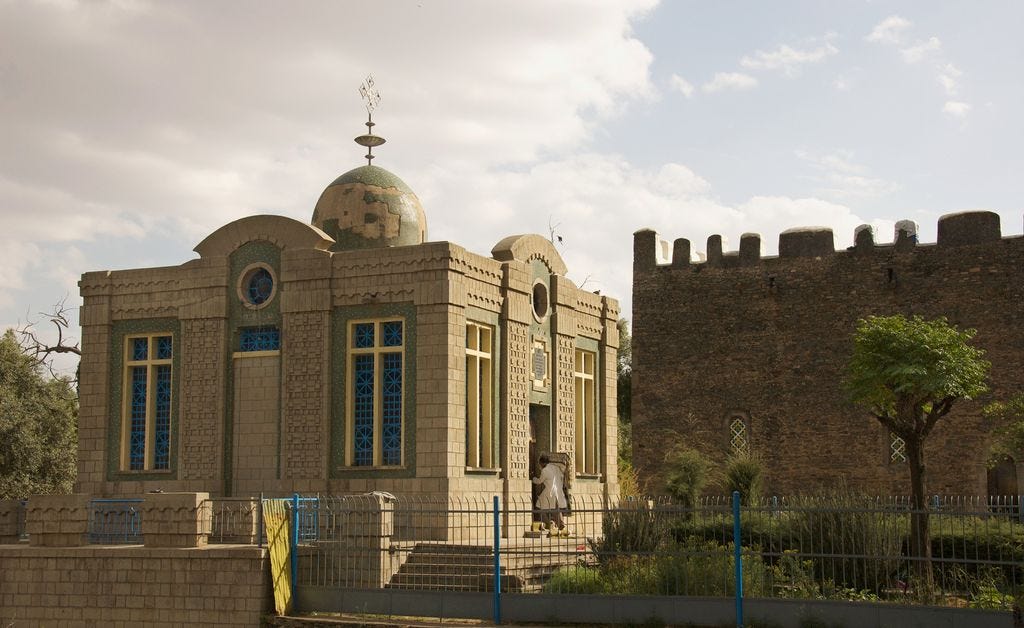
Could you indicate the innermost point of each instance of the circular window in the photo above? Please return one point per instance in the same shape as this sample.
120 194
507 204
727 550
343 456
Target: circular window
256 286
540 300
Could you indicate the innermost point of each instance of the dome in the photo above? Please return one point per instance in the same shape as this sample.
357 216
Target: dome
369 207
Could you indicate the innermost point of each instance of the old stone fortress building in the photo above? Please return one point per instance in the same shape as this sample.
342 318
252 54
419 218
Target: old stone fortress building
743 352
346 355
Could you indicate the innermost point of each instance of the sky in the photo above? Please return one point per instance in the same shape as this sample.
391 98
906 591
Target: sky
131 129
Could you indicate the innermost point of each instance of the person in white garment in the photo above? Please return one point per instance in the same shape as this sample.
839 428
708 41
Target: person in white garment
551 501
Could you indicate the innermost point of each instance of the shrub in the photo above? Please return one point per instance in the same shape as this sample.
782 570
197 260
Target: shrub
633 528
700 567
575 580
688 472
745 473
852 541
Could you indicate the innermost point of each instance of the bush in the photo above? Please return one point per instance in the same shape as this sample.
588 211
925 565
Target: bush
688 473
854 543
576 580
696 567
745 473
631 529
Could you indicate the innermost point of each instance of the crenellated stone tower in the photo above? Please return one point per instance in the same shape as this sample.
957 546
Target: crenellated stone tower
746 351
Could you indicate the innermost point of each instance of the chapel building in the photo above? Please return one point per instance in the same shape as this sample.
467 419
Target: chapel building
344 356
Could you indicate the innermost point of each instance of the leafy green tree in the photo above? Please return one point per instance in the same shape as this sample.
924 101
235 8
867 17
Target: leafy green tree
1007 418
624 372
38 426
909 373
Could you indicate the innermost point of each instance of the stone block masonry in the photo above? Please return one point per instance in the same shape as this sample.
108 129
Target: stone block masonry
103 586
766 340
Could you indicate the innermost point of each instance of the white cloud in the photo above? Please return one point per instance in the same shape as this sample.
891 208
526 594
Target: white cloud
729 81
948 76
839 176
263 110
888 31
788 59
841 83
681 85
921 50
956 109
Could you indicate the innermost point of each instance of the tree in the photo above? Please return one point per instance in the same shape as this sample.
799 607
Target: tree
42 352
624 372
628 484
1007 418
38 426
909 373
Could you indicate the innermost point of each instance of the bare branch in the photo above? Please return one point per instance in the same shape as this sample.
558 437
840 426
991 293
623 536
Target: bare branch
40 351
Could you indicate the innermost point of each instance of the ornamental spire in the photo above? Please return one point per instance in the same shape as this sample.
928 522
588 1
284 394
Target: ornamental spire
371 96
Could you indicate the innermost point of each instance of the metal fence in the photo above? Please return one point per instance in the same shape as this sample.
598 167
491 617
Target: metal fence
115 521
824 548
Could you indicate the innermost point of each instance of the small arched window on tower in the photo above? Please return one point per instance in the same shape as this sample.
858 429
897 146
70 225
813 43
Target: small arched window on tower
739 433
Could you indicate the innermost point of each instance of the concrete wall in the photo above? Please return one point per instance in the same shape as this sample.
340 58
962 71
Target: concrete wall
99 586
770 338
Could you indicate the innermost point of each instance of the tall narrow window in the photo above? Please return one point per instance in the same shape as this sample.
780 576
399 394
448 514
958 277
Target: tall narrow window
739 439
897 449
587 436
375 384
479 396
146 431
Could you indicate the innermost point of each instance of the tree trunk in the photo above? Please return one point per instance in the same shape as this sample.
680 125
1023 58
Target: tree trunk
920 549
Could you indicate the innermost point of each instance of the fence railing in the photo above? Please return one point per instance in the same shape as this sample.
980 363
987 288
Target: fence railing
115 521
842 548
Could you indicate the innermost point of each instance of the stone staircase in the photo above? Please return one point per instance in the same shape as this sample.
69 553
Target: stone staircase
443 567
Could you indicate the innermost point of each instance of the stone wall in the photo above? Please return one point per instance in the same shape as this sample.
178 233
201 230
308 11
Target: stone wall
768 338
97 586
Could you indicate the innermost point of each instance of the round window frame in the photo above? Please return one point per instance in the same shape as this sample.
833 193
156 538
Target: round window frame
538 316
243 285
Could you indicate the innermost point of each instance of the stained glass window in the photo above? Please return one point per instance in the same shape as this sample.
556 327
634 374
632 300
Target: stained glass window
363 337
259 339
362 401
140 348
137 439
392 333
391 421
375 417
148 386
259 286
163 348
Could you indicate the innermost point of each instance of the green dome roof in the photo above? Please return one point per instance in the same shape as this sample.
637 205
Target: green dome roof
369 207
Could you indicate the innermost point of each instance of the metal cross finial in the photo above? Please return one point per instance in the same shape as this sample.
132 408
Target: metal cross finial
369 94
372 97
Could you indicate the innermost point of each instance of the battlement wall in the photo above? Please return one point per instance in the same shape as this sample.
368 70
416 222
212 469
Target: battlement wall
768 339
954 230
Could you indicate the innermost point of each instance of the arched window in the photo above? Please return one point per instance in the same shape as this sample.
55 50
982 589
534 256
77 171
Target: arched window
897 449
739 433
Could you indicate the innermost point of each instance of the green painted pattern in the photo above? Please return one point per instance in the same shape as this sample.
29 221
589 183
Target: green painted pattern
541 329
340 318
120 330
372 175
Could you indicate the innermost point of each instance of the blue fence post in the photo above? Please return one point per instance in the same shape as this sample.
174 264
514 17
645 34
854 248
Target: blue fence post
497 564
737 556
295 541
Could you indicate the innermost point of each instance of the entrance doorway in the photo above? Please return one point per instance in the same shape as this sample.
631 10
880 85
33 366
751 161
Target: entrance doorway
540 440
